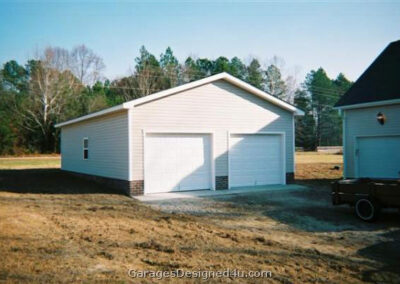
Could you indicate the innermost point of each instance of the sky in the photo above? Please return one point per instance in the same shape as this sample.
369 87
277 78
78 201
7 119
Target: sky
340 36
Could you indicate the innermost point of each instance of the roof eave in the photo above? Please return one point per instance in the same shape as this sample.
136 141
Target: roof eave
92 115
369 104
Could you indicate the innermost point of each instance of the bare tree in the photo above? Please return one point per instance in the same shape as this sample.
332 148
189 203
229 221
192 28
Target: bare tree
289 76
51 88
86 65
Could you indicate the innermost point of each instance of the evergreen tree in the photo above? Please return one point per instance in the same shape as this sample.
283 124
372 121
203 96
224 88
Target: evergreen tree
221 64
191 71
148 77
237 68
305 125
254 74
170 67
324 94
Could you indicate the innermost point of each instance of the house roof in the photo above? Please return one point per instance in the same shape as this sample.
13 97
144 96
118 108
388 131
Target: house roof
221 76
379 84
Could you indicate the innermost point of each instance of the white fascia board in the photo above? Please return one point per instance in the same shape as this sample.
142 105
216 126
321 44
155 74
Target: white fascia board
370 104
92 115
262 94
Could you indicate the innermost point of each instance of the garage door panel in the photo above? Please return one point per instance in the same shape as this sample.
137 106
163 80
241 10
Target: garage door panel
379 157
177 162
255 159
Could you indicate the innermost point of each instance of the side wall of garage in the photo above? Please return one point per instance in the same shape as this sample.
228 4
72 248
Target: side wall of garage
363 122
107 147
219 107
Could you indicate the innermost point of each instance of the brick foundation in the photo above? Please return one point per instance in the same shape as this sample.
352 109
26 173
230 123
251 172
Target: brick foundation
136 187
221 182
289 177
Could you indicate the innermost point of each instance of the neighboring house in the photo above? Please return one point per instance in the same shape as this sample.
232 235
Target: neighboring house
214 133
371 119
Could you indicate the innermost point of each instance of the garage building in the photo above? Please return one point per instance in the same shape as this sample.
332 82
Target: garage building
214 133
371 119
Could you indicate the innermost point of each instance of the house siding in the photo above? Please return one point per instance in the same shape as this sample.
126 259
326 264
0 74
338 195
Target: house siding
108 147
218 107
362 122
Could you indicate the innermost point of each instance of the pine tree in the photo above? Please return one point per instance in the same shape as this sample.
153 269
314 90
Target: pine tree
305 125
237 68
254 74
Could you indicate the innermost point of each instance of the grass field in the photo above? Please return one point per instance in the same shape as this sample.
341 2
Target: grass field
54 161
315 158
58 228
30 162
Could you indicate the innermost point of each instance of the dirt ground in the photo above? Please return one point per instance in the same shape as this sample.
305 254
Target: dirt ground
57 228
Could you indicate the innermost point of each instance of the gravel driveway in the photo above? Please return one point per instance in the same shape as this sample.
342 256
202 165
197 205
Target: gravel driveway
308 209
302 217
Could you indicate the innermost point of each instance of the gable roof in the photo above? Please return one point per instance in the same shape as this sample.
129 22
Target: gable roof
221 76
379 84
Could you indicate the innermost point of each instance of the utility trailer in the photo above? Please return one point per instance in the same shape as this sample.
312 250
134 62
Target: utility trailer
368 196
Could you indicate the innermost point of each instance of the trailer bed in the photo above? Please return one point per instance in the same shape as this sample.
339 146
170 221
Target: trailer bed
362 193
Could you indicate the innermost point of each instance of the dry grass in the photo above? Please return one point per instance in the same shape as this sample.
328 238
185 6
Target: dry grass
69 237
41 162
315 158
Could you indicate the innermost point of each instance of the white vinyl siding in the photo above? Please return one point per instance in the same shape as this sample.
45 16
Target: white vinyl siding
108 146
219 107
363 122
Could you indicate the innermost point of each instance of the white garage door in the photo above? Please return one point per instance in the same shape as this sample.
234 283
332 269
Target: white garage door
256 159
379 157
177 162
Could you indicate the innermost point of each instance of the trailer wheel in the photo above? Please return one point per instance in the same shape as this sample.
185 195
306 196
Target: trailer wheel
367 210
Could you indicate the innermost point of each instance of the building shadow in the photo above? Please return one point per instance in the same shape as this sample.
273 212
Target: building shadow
388 254
50 181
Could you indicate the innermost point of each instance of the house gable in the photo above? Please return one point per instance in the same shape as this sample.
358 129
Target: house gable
379 84
166 93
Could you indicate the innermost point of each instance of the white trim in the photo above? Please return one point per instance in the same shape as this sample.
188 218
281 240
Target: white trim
221 76
229 158
283 151
85 148
213 159
92 115
344 145
144 160
179 131
370 104
174 130
293 147
356 157
284 157
130 141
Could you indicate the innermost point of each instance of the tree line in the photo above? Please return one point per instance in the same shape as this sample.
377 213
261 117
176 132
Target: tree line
60 84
